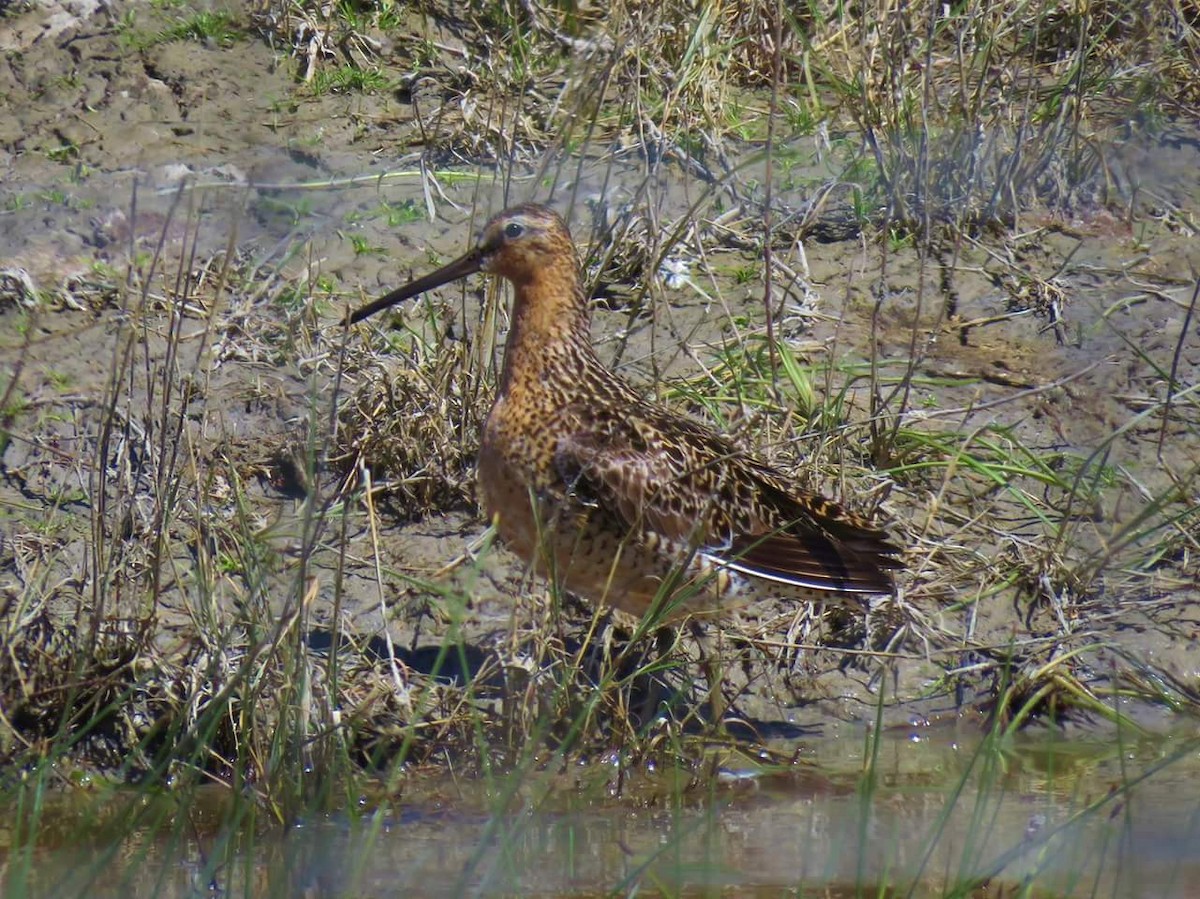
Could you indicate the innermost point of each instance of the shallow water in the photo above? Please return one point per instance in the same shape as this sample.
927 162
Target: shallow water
1063 817
1071 817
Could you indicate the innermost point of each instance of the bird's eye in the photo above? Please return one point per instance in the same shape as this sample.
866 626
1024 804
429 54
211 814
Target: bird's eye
513 230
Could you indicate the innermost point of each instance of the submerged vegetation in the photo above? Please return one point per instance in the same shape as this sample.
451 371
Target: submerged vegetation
182 595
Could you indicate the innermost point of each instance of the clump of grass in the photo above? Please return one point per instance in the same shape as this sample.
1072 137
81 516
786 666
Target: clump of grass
217 27
414 417
349 78
969 117
344 35
972 117
157 652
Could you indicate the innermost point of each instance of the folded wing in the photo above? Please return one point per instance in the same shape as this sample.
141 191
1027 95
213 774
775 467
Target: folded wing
695 486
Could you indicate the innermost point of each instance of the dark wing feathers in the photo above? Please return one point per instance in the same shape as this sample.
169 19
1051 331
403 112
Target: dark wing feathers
686 483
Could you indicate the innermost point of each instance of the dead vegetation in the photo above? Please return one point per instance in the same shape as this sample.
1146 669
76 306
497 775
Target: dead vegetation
158 617
414 415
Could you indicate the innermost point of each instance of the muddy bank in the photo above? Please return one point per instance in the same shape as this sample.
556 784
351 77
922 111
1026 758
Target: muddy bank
194 218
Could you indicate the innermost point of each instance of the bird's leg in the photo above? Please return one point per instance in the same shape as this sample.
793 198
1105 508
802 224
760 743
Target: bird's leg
710 664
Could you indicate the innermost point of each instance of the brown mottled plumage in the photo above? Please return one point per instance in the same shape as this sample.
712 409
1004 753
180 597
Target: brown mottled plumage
620 500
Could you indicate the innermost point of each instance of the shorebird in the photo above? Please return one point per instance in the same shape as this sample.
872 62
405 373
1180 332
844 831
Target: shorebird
621 501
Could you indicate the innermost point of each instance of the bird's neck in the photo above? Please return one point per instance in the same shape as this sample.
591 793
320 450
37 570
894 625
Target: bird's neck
549 339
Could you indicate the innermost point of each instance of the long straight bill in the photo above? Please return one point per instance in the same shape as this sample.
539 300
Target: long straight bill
464 265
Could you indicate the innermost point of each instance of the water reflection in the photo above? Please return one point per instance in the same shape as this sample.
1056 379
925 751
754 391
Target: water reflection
1067 817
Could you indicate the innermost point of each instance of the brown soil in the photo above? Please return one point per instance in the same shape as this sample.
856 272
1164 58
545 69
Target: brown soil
97 138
